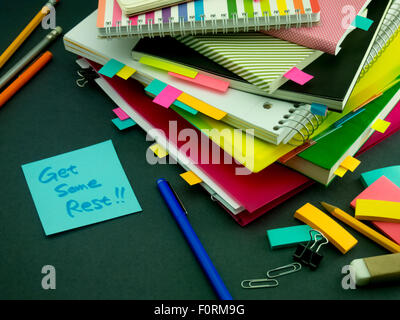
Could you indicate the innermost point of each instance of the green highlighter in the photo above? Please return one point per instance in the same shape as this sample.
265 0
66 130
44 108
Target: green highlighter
289 236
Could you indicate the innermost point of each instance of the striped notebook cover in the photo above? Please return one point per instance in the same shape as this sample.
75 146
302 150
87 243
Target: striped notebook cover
207 16
260 59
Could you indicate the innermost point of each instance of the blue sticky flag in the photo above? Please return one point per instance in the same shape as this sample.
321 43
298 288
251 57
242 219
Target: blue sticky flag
319 109
80 188
155 87
123 124
362 23
185 107
111 68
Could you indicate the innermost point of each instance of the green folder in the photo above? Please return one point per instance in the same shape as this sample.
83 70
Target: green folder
321 160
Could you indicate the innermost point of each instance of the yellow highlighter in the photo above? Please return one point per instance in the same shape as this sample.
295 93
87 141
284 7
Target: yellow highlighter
362 228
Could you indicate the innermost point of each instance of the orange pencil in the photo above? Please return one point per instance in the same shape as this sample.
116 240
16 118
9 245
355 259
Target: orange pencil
28 74
26 32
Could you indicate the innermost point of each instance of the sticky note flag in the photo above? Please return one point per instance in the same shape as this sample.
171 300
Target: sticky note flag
126 72
158 150
204 81
298 76
122 125
191 178
155 87
80 188
289 236
168 66
185 107
340 172
120 114
392 173
350 163
319 109
111 68
201 106
167 97
378 210
362 23
333 231
380 125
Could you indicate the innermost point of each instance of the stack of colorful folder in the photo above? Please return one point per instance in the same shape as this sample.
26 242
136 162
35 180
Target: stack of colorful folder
256 100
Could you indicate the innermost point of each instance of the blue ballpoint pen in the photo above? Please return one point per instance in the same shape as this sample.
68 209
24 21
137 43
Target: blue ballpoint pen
179 213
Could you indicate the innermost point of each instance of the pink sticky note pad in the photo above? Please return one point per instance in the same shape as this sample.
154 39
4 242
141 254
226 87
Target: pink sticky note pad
298 76
205 81
121 114
385 190
167 96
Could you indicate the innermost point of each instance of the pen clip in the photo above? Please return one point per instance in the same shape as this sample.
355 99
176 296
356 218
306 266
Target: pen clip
177 197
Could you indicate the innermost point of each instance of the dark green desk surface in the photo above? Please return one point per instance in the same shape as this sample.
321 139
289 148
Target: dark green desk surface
140 256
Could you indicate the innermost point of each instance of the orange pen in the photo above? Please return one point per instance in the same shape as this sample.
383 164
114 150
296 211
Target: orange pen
28 74
26 32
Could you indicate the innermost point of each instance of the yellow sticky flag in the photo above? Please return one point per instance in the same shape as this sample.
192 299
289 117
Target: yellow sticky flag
201 106
158 150
340 172
126 72
191 178
377 210
380 125
350 163
168 66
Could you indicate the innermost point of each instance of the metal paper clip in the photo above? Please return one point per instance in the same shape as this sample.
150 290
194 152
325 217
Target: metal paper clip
248 284
290 268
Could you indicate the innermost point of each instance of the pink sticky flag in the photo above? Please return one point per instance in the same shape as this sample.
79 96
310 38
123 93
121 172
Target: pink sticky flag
205 81
121 114
298 76
167 96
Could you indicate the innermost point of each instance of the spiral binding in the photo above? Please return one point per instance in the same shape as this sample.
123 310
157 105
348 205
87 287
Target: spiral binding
384 38
308 125
212 25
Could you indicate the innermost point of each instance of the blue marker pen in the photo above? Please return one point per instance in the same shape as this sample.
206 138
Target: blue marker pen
179 213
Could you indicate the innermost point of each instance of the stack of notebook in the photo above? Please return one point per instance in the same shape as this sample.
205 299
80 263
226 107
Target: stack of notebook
279 93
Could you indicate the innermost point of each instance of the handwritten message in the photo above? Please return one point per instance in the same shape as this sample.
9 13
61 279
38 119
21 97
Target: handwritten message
79 188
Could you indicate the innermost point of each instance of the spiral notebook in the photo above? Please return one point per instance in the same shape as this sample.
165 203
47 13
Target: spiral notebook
389 30
207 16
130 7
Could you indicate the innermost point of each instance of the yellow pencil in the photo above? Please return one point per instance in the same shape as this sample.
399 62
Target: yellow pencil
362 228
26 32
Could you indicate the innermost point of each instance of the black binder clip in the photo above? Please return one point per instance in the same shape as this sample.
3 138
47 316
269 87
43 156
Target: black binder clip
87 75
305 253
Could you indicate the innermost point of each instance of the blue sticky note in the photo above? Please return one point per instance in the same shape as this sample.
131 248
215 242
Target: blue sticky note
392 173
155 87
123 124
80 188
289 236
111 68
185 107
362 23
319 109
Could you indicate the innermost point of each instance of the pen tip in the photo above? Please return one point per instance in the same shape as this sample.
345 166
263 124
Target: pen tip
328 206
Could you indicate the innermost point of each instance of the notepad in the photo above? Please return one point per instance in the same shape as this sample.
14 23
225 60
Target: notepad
378 210
79 188
383 189
333 231
392 173
206 16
